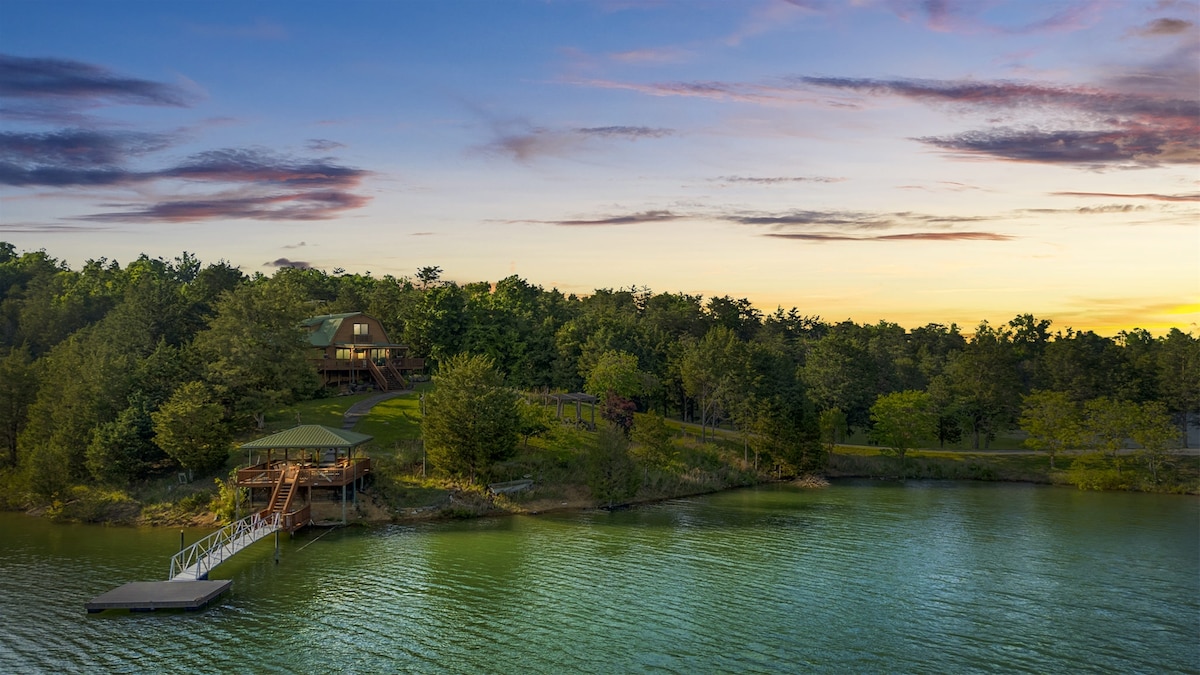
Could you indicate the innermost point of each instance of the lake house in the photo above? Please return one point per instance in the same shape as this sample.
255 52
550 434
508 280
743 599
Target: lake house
351 351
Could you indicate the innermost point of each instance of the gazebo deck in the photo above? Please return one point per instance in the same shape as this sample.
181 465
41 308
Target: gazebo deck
312 474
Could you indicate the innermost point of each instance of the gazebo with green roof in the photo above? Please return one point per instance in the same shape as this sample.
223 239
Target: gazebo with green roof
314 457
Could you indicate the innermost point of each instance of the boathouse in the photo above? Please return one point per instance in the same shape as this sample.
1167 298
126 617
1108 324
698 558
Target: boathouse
287 471
352 351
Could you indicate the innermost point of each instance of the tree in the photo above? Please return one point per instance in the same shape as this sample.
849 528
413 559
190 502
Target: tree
471 419
654 440
839 373
254 352
616 373
708 368
1052 421
428 276
1108 423
618 411
1154 431
18 390
982 383
612 476
535 419
901 420
1179 377
832 423
190 429
123 449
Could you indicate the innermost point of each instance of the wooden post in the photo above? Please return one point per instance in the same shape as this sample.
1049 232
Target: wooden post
181 547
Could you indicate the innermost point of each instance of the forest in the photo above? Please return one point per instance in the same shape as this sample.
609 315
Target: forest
112 374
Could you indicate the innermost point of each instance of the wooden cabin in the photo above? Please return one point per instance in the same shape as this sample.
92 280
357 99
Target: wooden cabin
351 351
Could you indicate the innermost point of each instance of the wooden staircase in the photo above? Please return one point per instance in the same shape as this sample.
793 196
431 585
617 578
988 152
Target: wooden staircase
285 489
386 378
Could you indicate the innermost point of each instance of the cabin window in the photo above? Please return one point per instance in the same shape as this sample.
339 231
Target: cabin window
362 333
343 353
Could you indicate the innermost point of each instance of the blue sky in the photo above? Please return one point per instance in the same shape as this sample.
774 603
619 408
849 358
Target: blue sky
913 161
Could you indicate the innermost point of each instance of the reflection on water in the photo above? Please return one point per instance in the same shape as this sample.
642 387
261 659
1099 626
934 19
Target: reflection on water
871 577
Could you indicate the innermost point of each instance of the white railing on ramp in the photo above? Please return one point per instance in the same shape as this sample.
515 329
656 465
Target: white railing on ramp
194 562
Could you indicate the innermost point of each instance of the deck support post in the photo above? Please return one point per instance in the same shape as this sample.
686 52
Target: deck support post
343 503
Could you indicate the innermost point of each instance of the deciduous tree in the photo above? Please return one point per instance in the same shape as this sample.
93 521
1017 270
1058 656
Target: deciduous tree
901 420
1052 421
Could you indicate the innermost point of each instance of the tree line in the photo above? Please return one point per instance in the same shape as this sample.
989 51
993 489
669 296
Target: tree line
110 373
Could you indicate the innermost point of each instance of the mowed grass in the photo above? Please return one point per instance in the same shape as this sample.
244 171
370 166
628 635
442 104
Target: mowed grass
325 411
395 420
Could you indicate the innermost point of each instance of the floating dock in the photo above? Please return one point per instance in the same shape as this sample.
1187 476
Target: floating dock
147 596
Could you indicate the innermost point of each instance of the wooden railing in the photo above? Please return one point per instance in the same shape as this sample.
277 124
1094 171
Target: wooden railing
347 364
380 378
342 472
297 519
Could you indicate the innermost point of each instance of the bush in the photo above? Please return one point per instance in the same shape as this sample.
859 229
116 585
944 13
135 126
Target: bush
1094 472
84 504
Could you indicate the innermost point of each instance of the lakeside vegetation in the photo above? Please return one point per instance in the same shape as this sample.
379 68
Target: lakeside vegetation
123 391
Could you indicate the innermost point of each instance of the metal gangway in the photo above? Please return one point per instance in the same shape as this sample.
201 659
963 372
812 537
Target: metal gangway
194 562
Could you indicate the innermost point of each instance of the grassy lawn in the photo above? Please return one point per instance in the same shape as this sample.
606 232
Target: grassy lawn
326 411
394 421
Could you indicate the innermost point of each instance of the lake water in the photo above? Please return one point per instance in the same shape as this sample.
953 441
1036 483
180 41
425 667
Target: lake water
858 577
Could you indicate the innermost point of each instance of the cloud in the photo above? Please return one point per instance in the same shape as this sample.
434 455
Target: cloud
776 180
74 156
911 236
284 262
83 83
323 145
628 133
1164 26
1122 195
630 219
1114 128
252 165
853 220
533 142
659 55
44 228
300 245
962 16
741 92
318 205
1088 210
252 183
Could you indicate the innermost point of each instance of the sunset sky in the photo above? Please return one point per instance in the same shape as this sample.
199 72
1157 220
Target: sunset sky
912 161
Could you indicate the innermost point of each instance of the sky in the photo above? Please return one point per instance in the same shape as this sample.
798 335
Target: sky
944 161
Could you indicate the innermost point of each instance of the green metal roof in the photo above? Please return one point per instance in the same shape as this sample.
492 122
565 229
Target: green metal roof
310 436
326 327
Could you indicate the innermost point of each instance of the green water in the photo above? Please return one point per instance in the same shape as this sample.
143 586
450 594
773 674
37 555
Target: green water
859 577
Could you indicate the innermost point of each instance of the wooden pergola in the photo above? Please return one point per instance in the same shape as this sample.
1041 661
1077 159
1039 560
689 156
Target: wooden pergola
320 457
578 398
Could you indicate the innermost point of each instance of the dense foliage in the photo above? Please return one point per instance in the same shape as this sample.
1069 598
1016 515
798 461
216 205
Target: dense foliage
106 372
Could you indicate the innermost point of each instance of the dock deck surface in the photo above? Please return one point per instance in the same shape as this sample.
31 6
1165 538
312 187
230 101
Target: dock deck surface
146 596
